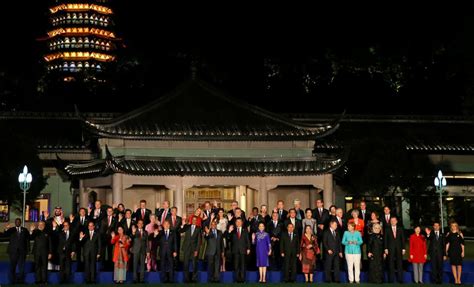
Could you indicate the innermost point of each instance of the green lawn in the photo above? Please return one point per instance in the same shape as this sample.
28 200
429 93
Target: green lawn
259 284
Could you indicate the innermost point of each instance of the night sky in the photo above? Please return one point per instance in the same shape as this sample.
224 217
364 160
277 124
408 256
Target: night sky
281 59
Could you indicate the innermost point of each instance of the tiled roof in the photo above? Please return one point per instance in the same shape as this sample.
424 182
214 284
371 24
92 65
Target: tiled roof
198 111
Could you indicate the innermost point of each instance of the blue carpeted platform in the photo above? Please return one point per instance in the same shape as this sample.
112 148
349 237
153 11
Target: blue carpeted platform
227 277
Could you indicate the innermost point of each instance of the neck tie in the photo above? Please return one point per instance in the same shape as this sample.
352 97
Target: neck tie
92 234
82 220
67 235
333 234
174 220
192 230
238 232
291 236
363 214
143 213
320 212
394 232
437 235
166 234
387 218
110 220
340 222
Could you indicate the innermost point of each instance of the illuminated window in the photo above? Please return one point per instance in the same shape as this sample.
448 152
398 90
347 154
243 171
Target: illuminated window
4 211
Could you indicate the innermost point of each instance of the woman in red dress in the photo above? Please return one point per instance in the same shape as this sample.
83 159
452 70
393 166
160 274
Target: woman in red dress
417 254
199 215
309 249
359 222
121 244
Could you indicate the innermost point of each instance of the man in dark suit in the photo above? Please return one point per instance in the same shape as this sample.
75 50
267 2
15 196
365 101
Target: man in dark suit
364 213
79 224
385 219
127 222
42 251
208 212
142 213
341 222
191 245
333 250
97 213
274 229
163 213
394 244
231 213
18 246
240 242
290 251
175 225
66 249
436 250
214 251
293 220
168 252
322 218
90 242
280 209
139 250
107 226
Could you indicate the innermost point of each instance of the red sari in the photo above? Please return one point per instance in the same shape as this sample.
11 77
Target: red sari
309 249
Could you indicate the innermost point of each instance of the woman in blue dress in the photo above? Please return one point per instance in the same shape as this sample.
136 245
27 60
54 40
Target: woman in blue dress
263 249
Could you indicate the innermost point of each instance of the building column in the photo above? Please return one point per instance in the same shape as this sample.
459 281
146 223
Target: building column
263 192
250 198
313 196
117 188
242 197
328 190
178 196
83 195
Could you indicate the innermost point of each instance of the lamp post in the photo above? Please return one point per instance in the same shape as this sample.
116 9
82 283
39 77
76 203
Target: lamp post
24 179
440 182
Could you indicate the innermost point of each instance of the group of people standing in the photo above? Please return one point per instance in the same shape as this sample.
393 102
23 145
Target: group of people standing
290 240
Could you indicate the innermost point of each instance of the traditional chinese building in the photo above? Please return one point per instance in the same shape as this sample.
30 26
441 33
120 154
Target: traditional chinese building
81 38
197 144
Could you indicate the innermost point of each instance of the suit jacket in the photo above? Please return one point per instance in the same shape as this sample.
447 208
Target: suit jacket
17 242
91 246
341 227
139 243
66 246
192 242
177 225
167 246
77 226
159 212
298 225
127 229
274 231
331 242
138 215
436 246
208 213
105 228
394 244
283 216
215 244
97 220
42 242
288 246
367 216
323 218
239 245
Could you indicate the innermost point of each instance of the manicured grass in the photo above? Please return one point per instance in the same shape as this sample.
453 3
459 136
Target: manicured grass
259 284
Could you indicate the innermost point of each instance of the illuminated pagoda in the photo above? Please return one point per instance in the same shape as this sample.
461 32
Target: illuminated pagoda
81 37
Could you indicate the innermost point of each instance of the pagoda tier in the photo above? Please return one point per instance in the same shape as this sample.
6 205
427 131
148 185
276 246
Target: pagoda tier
81 38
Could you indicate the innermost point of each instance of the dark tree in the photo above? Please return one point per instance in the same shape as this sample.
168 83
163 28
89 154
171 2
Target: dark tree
385 168
15 152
